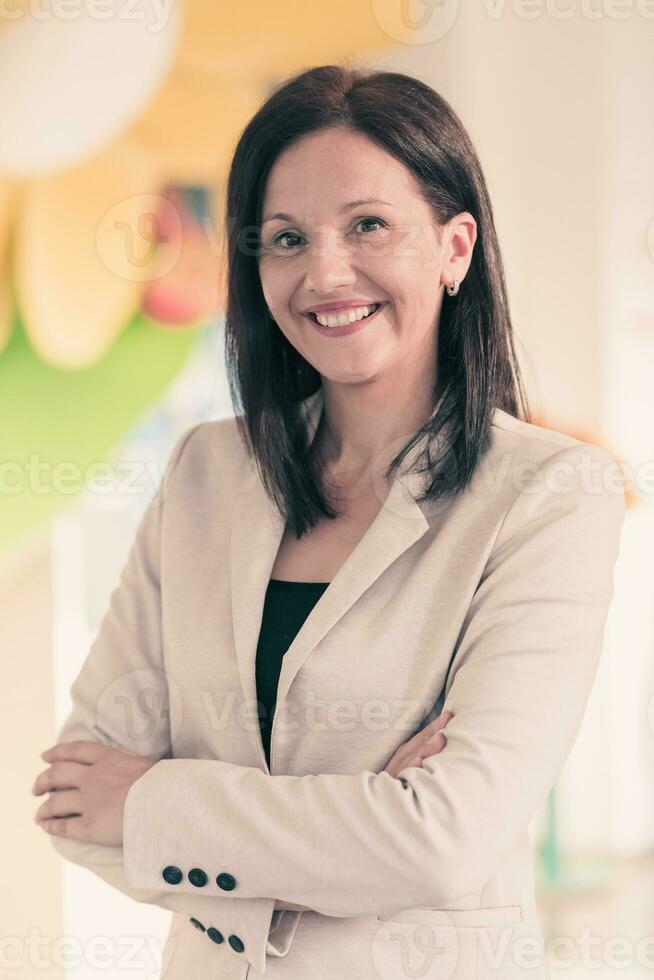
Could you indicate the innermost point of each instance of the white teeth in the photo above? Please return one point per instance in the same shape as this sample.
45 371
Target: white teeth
341 319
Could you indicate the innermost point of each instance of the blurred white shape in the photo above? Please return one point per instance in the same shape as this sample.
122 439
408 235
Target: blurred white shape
69 84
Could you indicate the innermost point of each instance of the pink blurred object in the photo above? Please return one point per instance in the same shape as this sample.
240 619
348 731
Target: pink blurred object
184 291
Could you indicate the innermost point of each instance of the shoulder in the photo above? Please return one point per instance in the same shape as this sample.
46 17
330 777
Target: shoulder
544 468
205 455
535 442
208 436
517 443
213 433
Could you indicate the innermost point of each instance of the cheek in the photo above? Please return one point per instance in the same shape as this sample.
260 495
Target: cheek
401 276
277 290
269 279
415 259
414 290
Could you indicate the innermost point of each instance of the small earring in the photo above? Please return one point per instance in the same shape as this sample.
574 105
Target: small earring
453 288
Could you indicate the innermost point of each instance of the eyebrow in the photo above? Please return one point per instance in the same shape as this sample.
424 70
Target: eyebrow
346 207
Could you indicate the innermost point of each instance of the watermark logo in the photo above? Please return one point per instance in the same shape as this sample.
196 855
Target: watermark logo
415 21
142 710
132 243
154 13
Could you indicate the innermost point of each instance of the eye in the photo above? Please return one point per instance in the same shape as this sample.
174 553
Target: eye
282 235
375 221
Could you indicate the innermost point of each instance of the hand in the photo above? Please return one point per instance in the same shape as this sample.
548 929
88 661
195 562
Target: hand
88 783
430 740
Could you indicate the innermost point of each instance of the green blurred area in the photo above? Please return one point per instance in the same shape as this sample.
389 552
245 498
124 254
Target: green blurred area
77 417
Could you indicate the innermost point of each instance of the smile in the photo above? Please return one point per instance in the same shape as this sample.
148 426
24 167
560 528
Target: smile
347 328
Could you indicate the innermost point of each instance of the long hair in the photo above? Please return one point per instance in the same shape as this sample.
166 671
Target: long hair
477 367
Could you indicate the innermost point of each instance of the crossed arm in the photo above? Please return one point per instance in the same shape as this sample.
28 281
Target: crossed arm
527 654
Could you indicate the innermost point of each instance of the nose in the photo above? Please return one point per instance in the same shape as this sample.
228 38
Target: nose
328 266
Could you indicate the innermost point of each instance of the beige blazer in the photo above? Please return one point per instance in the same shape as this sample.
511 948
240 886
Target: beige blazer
325 867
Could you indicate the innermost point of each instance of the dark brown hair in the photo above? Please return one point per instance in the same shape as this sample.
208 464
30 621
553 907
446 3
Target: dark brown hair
476 361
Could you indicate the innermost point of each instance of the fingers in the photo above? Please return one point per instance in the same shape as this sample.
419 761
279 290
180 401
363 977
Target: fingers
425 738
414 757
432 746
71 827
67 803
77 751
395 767
437 740
437 724
58 776
427 742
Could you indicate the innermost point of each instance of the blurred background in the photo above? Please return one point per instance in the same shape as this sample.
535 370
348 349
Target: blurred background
117 124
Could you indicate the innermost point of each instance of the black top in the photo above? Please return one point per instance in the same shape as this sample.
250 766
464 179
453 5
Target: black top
286 606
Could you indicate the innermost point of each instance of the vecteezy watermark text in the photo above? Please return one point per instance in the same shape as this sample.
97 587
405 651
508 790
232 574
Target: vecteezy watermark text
155 13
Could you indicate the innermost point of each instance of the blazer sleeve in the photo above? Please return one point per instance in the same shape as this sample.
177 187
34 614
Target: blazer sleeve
120 698
367 843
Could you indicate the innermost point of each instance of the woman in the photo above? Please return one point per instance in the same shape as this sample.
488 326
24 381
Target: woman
380 516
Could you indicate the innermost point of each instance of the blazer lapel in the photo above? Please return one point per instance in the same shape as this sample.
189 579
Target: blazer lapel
257 530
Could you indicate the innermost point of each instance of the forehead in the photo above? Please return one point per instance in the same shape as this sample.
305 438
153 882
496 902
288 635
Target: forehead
324 170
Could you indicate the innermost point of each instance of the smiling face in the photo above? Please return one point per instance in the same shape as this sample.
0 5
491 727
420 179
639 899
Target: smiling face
327 250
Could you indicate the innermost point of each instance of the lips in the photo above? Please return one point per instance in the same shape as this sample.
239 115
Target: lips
343 307
347 328
345 310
